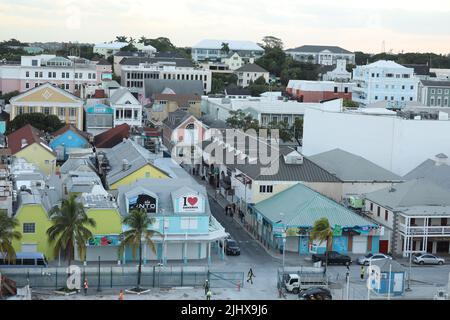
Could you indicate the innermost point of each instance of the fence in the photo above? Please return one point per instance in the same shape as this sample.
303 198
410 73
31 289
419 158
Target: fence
111 277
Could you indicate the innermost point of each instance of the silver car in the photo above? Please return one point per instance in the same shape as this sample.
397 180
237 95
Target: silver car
427 258
371 257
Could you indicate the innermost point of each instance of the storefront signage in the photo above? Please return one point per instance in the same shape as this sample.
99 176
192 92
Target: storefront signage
337 230
191 203
104 241
143 202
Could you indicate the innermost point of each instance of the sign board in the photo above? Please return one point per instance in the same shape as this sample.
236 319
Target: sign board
143 201
337 230
2 127
191 203
103 241
106 76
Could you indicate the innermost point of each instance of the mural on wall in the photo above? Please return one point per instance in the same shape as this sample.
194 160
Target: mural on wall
104 240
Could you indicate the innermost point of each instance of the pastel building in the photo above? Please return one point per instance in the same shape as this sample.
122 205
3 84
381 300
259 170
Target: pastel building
211 50
249 73
67 73
127 109
316 91
68 138
182 216
324 55
99 118
49 100
110 49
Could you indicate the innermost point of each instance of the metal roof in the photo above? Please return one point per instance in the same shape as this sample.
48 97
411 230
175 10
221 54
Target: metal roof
301 206
432 171
251 67
232 44
351 167
317 49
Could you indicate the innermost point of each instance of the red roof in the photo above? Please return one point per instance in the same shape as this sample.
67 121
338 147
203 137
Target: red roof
113 136
99 94
25 136
69 126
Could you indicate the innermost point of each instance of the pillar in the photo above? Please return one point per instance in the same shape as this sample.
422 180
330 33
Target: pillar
185 253
209 253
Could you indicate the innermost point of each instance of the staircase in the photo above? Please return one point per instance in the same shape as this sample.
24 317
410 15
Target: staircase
7 287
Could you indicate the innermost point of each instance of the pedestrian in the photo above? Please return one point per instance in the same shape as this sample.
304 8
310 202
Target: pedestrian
208 295
362 271
250 276
206 286
121 295
85 286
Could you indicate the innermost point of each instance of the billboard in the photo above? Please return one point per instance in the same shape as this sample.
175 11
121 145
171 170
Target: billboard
143 201
191 203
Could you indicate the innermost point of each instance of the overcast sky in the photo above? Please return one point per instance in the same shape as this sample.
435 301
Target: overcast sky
409 25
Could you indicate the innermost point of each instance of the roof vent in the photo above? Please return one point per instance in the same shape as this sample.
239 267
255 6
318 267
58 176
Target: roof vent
392 189
125 165
24 143
441 159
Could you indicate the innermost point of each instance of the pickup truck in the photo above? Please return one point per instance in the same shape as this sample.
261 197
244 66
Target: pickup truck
298 282
333 258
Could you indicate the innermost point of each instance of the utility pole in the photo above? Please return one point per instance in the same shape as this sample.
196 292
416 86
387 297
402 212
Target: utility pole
98 282
409 272
348 283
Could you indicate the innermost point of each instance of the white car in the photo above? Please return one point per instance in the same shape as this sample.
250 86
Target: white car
371 257
427 258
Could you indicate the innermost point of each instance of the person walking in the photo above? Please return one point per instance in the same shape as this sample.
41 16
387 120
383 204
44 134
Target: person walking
362 272
206 286
250 276
121 295
208 295
85 286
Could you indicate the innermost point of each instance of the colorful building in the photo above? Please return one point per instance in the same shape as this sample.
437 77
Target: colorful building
99 118
26 143
290 215
49 99
68 138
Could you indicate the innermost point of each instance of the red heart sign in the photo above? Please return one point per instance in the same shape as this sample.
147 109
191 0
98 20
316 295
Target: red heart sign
192 200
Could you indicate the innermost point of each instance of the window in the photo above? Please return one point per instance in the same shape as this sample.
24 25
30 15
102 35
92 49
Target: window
335 89
93 76
73 112
89 75
371 206
67 86
439 91
265 189
376 97
41 75
403 87
34 63
63 74
432 101
46 110
27 74
378 211
386 215
29 228
36 74
373 75
433 91
346 89
188 223
54 74
27 85
61 112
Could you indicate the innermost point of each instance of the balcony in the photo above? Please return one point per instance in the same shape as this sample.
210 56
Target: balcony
427 230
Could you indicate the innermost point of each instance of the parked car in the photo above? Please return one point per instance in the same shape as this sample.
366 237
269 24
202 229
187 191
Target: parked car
371 257
315 293
333 258
427 258
232 248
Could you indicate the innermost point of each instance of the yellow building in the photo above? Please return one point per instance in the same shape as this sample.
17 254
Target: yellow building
49 99
128 163
165 103
26 143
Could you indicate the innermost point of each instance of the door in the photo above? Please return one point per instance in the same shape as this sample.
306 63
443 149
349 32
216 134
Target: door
430 246
292 244
398 282
29 247
359 244
384 245
442 247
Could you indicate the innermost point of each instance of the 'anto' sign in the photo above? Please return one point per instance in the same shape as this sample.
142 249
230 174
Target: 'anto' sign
191 203
143 201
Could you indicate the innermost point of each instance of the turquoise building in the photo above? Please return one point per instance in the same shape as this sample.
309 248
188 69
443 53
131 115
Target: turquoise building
99 118
68 138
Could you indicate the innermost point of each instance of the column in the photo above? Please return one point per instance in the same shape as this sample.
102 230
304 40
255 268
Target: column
405 243
185 252
209 253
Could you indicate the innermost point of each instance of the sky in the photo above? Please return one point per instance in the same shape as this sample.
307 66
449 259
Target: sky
403 25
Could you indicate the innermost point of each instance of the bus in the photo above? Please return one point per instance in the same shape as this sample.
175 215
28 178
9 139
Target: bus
25 260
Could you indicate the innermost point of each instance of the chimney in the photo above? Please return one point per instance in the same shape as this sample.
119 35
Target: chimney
441 159
125 165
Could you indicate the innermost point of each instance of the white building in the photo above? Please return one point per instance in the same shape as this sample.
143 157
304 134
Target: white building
394 143
324 55
211 50
68 74
340 73
384 80
250 73
109 49
127 109
234 61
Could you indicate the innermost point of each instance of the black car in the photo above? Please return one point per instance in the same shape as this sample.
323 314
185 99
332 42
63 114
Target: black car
333 258
232 248
315 293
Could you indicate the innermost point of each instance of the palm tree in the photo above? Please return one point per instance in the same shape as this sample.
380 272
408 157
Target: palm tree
69 229
138 221
322 231
142 40
7 235
225 47
121 38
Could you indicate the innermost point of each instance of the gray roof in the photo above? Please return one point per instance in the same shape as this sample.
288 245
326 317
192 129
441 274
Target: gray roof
119 93
192 87
135 61
317 49
417 192
435 83
301 206
437 211
351 167
135 155
174 119
430 170
74 164
163 189
386 263
251 67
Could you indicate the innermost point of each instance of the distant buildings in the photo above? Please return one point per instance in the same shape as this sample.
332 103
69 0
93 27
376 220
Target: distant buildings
68 74
109 49
434 93
249 73
212 50
384 80
316 91
324 55
339 73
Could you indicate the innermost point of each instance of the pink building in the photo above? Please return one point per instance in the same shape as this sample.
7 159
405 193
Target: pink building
67 73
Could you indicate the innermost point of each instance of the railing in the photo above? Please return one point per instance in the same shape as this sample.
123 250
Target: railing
427 230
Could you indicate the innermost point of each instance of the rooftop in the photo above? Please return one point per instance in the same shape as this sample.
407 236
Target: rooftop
25 136
232 44
251 67
317 49
112 137
437 171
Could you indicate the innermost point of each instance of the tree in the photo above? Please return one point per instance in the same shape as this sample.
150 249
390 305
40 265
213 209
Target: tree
70 229
121 39
138 221
271 42
220 81
236 119
7 235
350 103
129 47
9 95
298 128
322 231
284 132
225 48
260 80
47 123
143 40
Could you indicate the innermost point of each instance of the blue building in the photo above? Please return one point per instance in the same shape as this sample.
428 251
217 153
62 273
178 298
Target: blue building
182 215
285 219
391 278
68 138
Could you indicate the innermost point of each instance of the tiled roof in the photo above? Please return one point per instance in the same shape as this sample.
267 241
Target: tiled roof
301 206
112 137
27 134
